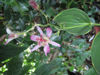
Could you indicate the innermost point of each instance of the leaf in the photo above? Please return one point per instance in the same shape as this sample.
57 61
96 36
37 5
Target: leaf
80 59
25 69
96 53
23 7
74 21
8 51
50 12
47 69
91 72
15 65
1 18
2 30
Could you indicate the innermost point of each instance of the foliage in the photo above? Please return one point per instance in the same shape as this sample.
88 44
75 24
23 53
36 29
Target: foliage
95 52
72 22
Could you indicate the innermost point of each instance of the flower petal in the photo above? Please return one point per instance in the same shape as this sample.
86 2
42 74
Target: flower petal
46 49
49 32
35 48
8 40
11 37
40 30
55 44
35 38
9 31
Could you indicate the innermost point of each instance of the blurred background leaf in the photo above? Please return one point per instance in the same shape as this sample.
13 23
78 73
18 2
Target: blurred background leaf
8 51
15 65
47 69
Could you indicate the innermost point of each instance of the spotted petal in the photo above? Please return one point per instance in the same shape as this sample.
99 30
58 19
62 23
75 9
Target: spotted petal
49 32
55 44
40 30
46 49
35 48
35 37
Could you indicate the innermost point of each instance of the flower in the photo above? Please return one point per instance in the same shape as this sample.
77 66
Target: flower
33 4
11 36
43 40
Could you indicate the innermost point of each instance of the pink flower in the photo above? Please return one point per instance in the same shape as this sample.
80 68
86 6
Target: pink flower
43 40
11 36
33 4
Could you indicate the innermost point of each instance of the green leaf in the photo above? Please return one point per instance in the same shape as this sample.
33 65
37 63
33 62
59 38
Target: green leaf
2 30
1 18
15 65
8 51
23 7
91 72
50 12
74 21
47 69
25 69
96 53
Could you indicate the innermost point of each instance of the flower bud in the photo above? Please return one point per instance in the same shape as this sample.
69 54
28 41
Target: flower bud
33 4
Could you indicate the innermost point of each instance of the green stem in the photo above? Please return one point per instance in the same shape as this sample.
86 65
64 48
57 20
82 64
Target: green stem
35 26
30 29
49 25
69 4
22 33
96 24
44 15
43 25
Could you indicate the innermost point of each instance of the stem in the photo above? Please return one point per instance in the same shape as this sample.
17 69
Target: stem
50 25
44 15
21 33
96 24
43 25
30 29
35 26
69 4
